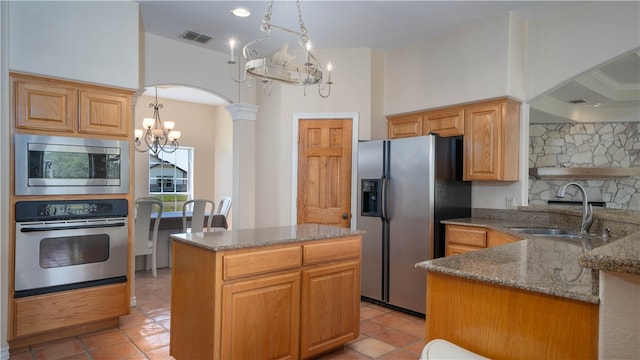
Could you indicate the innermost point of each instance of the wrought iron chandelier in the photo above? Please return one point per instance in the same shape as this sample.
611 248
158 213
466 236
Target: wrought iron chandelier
280 66
158 136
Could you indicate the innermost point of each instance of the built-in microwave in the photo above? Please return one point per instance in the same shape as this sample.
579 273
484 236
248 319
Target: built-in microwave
58 165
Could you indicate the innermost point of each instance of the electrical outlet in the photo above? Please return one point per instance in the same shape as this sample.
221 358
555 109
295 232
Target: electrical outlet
509 203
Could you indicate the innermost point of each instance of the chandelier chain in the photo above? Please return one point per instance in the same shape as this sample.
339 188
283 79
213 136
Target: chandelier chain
267 17
303 28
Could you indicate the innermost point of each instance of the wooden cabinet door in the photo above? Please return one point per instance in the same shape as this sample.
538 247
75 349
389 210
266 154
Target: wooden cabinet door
330 313
44 105
402 126
444 122
104 112
482 143
491 141
261 318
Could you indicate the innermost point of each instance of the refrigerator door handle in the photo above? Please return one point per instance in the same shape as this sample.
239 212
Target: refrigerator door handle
385 199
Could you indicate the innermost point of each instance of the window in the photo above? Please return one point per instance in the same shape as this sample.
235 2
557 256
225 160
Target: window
170 177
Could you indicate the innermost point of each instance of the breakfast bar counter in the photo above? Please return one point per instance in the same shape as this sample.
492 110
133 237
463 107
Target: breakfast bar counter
281 292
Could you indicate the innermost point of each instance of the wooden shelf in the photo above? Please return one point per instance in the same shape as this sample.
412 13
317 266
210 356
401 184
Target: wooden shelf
583 173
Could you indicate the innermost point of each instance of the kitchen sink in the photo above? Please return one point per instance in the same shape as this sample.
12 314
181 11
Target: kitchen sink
546 232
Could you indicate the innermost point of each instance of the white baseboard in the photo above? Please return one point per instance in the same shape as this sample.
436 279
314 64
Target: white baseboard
133 301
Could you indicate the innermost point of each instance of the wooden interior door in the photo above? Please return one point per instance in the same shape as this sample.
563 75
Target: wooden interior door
324 172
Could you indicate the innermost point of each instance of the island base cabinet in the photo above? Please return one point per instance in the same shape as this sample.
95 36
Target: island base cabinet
506 323
260 318
288 301
330 314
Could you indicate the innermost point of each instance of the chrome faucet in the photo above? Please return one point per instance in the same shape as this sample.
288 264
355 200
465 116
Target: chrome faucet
587 210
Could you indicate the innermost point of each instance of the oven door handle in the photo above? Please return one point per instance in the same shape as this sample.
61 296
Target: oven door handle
73 227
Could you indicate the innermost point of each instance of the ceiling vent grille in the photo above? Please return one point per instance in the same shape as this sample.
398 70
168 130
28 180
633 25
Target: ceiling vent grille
578 101
197 37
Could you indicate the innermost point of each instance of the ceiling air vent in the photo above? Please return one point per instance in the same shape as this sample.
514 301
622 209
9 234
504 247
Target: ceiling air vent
578 101
197 37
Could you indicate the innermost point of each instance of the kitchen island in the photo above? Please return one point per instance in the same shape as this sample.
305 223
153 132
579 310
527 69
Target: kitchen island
534 298
283 292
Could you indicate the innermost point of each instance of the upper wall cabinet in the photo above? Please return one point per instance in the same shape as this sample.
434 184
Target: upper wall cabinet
104 112
492 140
491 132
444 122
45 104
402 126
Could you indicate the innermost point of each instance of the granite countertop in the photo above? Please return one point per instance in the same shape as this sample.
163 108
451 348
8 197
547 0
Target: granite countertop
554 266
249 238
540 264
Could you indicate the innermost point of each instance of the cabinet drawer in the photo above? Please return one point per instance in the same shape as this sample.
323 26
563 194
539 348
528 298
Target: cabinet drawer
466 235
261 262
55 311
331 251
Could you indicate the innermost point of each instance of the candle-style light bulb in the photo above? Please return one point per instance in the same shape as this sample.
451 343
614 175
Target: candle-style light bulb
329 67
306 59
232 44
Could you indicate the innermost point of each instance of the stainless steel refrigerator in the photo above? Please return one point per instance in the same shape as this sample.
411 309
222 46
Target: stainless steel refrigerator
406 186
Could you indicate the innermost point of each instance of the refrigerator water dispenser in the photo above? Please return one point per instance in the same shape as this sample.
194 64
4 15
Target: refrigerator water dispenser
370 197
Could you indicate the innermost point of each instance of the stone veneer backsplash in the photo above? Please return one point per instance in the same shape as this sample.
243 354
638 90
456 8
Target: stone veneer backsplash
586 145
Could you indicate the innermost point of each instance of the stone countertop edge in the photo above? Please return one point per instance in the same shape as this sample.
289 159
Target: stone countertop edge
443 269
260 237
621 256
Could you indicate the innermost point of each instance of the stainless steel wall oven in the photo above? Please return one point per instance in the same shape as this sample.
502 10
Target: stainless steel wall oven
57 165
69 244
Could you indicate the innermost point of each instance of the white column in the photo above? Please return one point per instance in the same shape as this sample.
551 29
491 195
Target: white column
244 164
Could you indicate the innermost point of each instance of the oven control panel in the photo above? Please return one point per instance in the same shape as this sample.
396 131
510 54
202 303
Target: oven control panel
70 209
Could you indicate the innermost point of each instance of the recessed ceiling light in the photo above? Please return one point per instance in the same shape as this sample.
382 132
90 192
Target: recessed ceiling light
241 12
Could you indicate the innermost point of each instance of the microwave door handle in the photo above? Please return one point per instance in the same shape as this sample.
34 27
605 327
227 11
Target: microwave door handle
73 227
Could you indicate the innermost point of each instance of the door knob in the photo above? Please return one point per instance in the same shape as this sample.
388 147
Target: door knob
345 216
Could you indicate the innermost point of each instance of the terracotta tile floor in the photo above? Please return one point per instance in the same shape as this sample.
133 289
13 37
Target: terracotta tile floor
144 334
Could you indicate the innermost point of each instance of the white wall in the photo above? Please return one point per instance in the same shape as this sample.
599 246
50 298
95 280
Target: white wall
469 63
575 41
89 41
619 326
174 62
